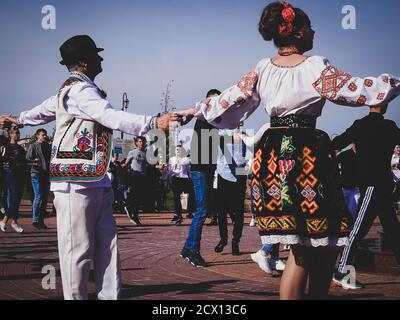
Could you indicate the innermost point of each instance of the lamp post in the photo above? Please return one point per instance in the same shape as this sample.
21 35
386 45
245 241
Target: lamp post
125 105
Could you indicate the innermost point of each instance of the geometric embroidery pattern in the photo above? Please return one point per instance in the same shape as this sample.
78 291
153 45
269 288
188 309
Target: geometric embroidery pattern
344 226
274 192
248 83
330 82
317 225
256 167
273 184
308 193
308 181
282 223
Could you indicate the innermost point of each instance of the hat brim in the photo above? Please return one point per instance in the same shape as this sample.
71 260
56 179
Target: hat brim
62 62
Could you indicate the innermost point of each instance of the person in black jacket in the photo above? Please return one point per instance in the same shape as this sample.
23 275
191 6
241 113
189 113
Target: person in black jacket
39 155
375 139
349 177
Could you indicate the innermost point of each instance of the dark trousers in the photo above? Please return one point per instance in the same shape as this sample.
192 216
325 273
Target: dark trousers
231 200
136 192
178 186
375 201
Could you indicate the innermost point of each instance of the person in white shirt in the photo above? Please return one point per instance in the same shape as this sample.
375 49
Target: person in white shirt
395 163
179 171
81 153
296 187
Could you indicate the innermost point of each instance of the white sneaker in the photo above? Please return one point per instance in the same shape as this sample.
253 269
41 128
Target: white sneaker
17 228
263 260
3 226
252 222
2 210
277 264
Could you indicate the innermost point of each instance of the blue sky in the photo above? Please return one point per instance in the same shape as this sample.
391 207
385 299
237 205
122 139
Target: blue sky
200 44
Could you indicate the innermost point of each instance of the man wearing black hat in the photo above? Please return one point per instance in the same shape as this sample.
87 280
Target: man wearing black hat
80 158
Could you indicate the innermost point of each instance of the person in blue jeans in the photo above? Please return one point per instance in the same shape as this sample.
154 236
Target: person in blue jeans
13 160
202 174
38 155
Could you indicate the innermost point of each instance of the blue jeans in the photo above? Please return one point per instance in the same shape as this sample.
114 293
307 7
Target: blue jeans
272 249
41 187
196 227
351 197
13 184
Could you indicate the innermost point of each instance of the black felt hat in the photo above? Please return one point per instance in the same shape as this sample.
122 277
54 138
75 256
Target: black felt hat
76 48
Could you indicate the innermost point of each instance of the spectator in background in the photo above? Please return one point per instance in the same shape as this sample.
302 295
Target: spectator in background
396 172
137 163
349 176
179 170
164 184
231 188
14 163
38 155
3 197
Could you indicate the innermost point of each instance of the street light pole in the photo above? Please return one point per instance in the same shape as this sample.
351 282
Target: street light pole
125 105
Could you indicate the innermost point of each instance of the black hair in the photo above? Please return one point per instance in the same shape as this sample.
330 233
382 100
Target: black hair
213 92
41 130
272 18
140 138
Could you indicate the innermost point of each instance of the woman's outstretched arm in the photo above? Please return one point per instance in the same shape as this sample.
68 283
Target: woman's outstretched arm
342 88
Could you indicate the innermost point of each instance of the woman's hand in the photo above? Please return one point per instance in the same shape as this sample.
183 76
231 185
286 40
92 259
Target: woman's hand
166 121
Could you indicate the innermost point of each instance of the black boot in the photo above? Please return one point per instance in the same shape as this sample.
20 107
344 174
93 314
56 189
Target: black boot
235 248
220 246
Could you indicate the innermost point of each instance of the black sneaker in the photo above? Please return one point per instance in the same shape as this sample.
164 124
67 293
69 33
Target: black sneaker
197 260
129 215
43 225
136 220
38 225
189 216
174 219
186 254
345 281
179 221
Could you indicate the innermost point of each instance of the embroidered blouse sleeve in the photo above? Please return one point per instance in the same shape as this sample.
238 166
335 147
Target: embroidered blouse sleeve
90 105
344 89
41 114
233 105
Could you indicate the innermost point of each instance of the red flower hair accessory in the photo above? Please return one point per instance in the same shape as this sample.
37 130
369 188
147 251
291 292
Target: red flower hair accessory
288 14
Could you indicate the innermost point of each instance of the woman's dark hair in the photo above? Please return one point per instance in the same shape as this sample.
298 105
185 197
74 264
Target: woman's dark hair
272 18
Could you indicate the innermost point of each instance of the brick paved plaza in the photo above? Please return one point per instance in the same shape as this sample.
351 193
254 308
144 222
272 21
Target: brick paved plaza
153 270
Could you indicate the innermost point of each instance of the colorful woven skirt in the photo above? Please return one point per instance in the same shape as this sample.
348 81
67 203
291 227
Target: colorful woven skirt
297 197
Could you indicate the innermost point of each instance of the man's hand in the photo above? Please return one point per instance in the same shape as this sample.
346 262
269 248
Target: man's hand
7 121
166 121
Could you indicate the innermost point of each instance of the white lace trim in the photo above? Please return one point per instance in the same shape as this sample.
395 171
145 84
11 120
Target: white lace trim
308 242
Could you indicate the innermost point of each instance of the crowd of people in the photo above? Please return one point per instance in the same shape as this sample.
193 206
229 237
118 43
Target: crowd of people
298 197
20 168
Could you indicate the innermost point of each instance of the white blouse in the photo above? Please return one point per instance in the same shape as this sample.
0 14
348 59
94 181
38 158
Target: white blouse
302 89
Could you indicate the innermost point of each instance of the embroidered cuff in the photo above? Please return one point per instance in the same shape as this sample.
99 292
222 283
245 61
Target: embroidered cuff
153 123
